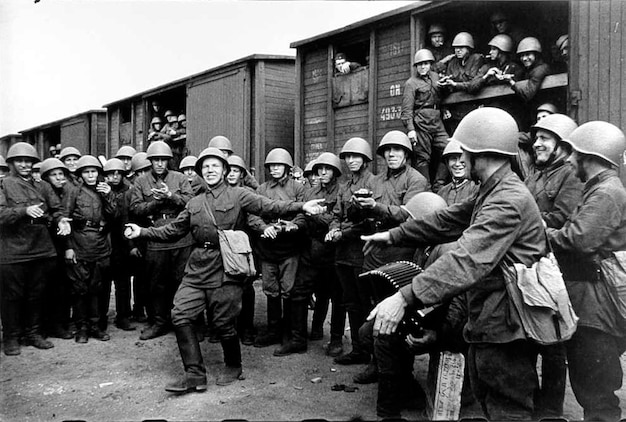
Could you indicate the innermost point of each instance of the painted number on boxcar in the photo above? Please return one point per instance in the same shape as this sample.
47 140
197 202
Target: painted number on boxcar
393 49
390 113
317 74
395 90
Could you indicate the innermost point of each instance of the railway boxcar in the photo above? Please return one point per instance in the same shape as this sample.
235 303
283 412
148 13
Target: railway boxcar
85 131
7 140
331 107
250 101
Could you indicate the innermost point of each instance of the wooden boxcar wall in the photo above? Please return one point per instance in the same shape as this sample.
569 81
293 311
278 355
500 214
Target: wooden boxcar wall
314 101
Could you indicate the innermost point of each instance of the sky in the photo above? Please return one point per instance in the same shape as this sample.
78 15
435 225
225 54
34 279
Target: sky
63 57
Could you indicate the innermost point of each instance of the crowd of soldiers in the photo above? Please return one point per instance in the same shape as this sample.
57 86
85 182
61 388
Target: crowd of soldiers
149 222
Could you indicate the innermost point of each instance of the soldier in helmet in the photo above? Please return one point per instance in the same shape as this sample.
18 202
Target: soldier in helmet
205 284
126 154
182 125
524 162
557 191
462 187
92 208
311 178
501 222
187 167
421 115
343 66
595 231
500 62
155 133
560 54
160 195
223 144
345 229
279 245
4 168
121 264
442 51
27 254
70 156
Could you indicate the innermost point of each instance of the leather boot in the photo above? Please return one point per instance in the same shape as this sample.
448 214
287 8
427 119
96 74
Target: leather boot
191 355
298 341
11 346
33 335
232 359
272 336
369 375
10 326
36 340
358 354
387 403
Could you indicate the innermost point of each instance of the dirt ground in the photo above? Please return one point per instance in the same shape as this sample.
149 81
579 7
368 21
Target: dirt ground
123 379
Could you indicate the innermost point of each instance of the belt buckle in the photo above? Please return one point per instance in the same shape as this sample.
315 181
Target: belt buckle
208 245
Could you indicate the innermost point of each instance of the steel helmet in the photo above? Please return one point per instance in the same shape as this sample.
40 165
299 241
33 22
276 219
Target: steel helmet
562 41
182 117
453 147
126 151
549 107
215 153
222 143
3 163
155 120
423 55
140 161
529 44
188 161
50 164
436 28
488 129
357 146
463 39
329 159
22 149
114 164
237 161
559 124
37 166
397 138
168 113
88 161
602 139
69 151
279 156
502 42
308 169
159 149
424 203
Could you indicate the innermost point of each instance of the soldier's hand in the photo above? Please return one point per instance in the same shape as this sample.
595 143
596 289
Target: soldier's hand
447 58
132 231
364 203
412 136
314 206
388 314
136 253
269 233
333 235
103 187
421 345
64 227
35 211
290 227
70 256
446 114
373 239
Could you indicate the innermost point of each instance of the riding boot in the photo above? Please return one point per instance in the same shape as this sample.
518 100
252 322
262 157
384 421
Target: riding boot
387 403
191 355
32 332
232 361
298 341
272 336
11 326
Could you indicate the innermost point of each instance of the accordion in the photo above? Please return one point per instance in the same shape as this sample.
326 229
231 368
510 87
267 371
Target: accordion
398 274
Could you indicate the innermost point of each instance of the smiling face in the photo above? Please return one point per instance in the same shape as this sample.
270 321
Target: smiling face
395 157
212 170
235 175
528 58
355 162
423 68
70 162
457 166
23 166
545 146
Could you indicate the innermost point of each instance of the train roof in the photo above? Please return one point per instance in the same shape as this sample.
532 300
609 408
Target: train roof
59 121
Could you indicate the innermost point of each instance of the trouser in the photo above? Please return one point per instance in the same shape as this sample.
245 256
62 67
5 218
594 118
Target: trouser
141 293
503 378
279 276
57 307
356 300
549 398
21 289
321 280
223 305
165 270
121 270
432 138
89 279
595 372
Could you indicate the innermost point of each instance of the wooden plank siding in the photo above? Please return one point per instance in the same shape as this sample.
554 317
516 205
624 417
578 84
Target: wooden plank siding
316 93
279 105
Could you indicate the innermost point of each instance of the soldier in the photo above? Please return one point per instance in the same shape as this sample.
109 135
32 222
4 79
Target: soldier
36 173
171 124
561 54
159 196
502 221
223 144
70 156
462 187
501 24
442 51
421 116
57 309
182 125
554 186
155 132
27 254
187 167
278 244
312 178
121 264
524 162
316 272
4 169
205 285
595 230
343 66
88 251
126 154
500 61
139 165
344 231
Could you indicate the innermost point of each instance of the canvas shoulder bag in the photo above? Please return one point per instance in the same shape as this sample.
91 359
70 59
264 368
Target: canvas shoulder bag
612 271
235 249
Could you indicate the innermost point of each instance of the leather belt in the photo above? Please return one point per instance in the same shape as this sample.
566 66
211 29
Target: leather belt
208 245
